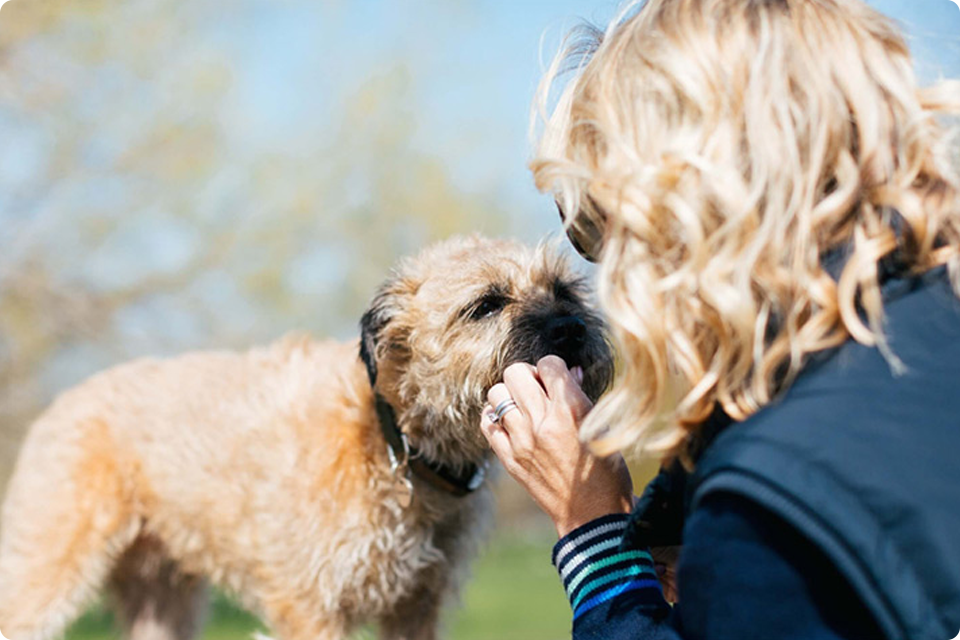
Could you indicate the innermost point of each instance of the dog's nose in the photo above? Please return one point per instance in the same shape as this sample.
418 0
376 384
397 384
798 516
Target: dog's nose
566 332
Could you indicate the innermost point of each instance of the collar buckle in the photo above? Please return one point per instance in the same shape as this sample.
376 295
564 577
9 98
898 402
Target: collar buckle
400 461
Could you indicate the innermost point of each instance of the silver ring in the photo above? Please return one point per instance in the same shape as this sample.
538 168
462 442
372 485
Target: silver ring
502 409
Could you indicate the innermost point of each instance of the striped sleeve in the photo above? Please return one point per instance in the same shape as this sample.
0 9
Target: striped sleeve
594 569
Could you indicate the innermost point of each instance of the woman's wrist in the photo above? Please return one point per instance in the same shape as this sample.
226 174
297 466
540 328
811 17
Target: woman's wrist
595 568
605 487
568 522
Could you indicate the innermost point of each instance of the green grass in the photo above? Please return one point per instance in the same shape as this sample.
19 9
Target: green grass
226 622
514 594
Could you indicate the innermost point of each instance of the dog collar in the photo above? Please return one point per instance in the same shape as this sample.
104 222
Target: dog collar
405 458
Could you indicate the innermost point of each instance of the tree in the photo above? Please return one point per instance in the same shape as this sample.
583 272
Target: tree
139 216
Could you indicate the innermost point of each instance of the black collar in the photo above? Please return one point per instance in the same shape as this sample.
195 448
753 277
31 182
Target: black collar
402 453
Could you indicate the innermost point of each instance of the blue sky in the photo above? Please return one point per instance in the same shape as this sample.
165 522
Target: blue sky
474 67
466 71
469 67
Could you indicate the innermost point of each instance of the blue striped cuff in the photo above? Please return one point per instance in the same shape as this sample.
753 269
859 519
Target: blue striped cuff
595 570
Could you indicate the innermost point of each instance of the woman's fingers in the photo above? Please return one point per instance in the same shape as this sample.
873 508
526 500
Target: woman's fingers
514 421
524 386
539 446
562 385
496 436
554 375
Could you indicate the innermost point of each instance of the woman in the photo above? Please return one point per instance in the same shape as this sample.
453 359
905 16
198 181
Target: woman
775 209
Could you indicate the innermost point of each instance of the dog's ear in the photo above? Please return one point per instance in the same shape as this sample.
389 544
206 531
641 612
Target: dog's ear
374 319
380 327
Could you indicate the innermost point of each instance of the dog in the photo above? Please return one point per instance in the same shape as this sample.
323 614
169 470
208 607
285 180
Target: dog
325 485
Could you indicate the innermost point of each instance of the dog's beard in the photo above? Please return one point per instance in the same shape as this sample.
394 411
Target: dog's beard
449 431
529 341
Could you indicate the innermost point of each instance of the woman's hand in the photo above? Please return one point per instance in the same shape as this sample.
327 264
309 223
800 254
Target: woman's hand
539 446
665 561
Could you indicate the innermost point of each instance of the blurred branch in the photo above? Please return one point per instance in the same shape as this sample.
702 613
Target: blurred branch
138 178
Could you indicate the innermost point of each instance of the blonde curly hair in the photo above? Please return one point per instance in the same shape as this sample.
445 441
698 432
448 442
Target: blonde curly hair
731 151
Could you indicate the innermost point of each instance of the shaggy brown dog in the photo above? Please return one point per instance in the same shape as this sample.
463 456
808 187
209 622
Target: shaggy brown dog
280 474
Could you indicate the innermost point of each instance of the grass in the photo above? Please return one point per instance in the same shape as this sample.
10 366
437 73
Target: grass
226 622
514 594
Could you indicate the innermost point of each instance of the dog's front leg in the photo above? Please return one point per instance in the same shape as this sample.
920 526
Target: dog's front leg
415 617
298 619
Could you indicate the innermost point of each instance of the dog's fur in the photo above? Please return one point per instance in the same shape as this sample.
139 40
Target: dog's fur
266 472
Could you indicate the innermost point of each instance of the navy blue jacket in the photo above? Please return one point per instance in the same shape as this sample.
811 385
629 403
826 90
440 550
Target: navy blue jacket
834 513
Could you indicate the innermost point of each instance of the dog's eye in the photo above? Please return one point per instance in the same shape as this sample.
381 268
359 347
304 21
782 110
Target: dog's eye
488 306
